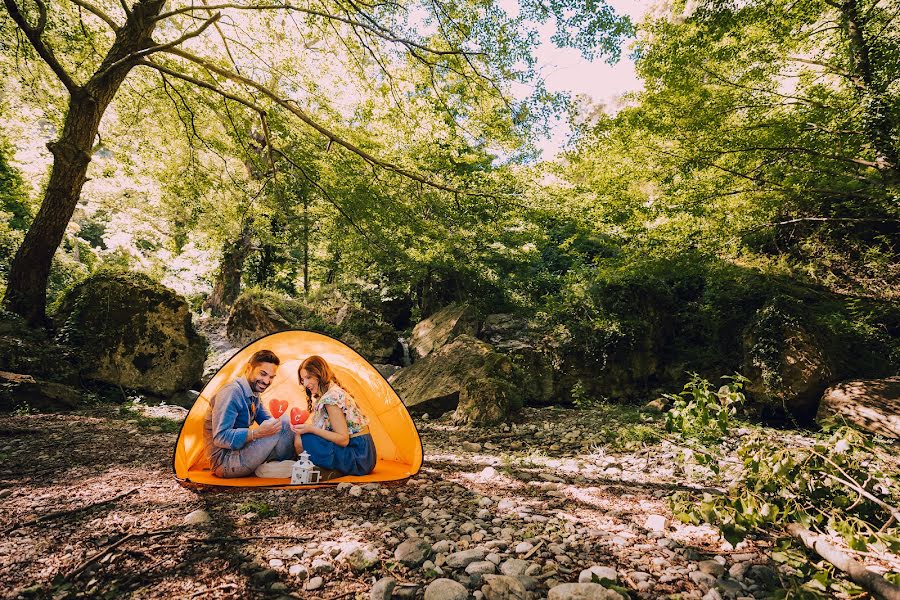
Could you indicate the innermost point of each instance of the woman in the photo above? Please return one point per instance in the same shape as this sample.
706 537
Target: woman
336 435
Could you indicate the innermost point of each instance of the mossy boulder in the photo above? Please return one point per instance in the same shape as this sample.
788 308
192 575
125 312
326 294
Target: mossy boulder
260 312
434 384
131 332
24 392
785 361
487 402
522 342
442 327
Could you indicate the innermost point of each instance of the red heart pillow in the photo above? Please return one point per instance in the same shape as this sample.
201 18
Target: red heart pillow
298 415
277 407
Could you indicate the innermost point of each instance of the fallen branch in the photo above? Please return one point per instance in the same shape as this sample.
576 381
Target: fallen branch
99 554
870 581
531 552
62 513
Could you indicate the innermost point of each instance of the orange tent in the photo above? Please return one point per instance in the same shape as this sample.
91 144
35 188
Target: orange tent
396 439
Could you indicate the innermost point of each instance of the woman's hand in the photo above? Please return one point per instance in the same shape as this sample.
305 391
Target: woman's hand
306 427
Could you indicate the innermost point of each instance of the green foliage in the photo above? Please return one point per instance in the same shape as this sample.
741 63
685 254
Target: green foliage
258 507
699 412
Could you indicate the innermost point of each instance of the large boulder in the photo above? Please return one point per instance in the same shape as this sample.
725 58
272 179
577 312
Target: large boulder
131 332
522 342
872 405
785 362
435 383
258 312
441 328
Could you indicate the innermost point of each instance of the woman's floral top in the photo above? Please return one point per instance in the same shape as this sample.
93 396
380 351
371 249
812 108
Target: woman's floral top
335 395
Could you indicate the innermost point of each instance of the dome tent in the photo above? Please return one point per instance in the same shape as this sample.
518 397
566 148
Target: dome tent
396 439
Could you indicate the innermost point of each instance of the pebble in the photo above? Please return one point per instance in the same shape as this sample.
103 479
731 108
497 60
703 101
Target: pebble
582 591
601 573
524 547
514 567
446 589
712 567
463 558
502 587
656 523
383 589
298 571
197 517
314 583
413 552
481 567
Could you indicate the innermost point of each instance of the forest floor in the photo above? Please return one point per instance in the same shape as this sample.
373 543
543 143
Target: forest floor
90 508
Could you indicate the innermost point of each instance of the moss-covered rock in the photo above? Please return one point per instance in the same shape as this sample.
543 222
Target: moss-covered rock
132 332
785 361
522 342
24 392
487 402
260 312
434 383
442 327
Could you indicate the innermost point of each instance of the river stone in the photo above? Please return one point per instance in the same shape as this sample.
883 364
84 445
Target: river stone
131 332
481 567
446 589
463 558
383 589
362 558
582 591
598 572
314 583
197 517
711 567
413 552
502 587
514 567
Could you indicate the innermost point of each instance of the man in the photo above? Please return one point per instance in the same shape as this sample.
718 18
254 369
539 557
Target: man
234 449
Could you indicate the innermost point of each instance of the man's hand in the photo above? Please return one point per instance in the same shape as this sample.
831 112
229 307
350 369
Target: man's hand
268 427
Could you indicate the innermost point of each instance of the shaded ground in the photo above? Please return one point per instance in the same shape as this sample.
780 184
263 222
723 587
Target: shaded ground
90 508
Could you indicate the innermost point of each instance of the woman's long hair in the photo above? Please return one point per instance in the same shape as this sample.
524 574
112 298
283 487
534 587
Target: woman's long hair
318 368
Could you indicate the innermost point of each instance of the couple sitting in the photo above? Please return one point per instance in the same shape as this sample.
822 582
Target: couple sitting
336 437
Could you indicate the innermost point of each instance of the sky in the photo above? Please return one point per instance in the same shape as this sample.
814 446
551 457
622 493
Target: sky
565 70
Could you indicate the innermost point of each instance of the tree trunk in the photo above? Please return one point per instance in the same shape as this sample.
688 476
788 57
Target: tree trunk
305 243
228 282
26 291
879 125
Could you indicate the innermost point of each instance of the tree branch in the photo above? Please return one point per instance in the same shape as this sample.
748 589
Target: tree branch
382 32
34 36
160 47
97 12
200 83
872 582
291 106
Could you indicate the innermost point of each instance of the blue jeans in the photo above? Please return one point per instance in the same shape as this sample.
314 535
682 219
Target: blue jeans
243 462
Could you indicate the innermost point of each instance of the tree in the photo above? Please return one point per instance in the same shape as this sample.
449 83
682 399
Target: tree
472 49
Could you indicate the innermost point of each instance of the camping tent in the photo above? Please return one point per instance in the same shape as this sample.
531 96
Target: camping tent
397 442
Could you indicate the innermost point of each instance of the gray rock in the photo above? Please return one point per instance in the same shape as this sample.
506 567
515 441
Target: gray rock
320 566
524 547
383 589
600 573
362 558
582 591
481 567
462 559
704 580
442 547
298 571
514 567
712 567
413 553
314 583
501 587
766 576
197 517
446 589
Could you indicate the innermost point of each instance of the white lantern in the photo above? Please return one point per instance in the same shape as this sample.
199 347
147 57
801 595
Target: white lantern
304 471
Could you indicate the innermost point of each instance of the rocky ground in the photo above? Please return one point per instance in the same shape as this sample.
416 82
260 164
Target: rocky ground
90 508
